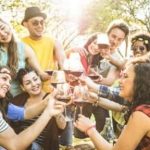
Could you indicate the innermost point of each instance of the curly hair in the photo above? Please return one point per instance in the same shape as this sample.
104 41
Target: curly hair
141 84
141 90
144 37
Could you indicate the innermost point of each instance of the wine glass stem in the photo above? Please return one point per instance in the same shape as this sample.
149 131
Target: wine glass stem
81 109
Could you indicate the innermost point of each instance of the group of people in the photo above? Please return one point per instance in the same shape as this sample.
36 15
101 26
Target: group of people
28 105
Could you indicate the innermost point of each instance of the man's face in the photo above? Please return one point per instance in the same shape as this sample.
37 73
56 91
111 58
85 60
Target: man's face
35 26
116 37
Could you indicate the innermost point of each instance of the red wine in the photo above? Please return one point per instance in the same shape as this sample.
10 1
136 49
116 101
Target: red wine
67 71
65 99
49 72
79 103
76 73
93 77
55 84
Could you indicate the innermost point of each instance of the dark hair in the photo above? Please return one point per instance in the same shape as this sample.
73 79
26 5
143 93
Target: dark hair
144 37
119 24
5 101
21 73
141 84
96 58
141 90
12 52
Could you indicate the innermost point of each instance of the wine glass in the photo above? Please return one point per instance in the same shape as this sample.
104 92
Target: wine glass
58 77
64 95
80 92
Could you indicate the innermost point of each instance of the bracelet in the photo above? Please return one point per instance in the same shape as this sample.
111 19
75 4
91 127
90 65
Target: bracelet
92 126
97 101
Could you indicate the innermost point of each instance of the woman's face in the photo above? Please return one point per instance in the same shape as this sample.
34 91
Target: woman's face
126 83
139 49
5 80
93 48
32 83
5 33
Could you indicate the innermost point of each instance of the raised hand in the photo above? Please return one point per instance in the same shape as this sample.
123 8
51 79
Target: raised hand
55 107
83 123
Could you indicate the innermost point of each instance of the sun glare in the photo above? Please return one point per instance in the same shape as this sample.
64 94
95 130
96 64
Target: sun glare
74 8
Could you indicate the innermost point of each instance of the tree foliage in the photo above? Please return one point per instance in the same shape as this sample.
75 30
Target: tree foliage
95 16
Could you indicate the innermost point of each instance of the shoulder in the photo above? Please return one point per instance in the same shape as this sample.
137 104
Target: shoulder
140 119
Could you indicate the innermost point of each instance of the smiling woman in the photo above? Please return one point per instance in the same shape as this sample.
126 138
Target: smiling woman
33 95
16 55
137 76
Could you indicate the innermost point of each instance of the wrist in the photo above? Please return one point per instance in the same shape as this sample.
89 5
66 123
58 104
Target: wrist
87 131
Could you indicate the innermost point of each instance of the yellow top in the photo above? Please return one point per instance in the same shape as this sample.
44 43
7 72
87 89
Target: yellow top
44 50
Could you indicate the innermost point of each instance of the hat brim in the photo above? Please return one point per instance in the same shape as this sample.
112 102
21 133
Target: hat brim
35 15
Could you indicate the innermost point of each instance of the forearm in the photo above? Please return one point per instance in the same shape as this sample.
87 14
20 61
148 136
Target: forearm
31 133
99 142
118 64
59 54
35 110
108 104
94 87
60 120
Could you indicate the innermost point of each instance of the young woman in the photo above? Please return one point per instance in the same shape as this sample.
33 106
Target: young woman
25 138
16 55
33 94
90 57
136 133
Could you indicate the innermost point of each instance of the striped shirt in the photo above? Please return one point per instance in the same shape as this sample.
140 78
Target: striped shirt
3 124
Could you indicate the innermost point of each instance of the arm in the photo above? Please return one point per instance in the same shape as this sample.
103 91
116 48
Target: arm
115 62
112 75
105 91
25 138
35 110
33 62
60 120
129 138
84 124
59 54
16 113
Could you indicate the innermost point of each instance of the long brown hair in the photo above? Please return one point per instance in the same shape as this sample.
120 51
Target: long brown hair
11 51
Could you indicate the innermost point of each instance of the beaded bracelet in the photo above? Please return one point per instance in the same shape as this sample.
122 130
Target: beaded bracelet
92 126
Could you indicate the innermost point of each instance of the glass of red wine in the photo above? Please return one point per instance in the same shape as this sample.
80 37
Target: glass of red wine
78 97
64 94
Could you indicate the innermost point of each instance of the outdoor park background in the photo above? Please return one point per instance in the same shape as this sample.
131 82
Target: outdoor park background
71 21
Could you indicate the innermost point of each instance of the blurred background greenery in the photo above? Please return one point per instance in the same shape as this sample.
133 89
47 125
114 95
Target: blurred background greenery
71 21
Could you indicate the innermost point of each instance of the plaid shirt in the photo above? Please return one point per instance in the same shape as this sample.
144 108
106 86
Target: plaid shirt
111 93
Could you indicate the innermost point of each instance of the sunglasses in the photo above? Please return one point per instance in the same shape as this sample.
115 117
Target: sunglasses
36 22
141 48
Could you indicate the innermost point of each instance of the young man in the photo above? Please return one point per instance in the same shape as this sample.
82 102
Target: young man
117 32
49 52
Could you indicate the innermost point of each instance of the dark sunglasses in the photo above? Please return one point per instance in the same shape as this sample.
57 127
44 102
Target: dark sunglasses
141 48
36 22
